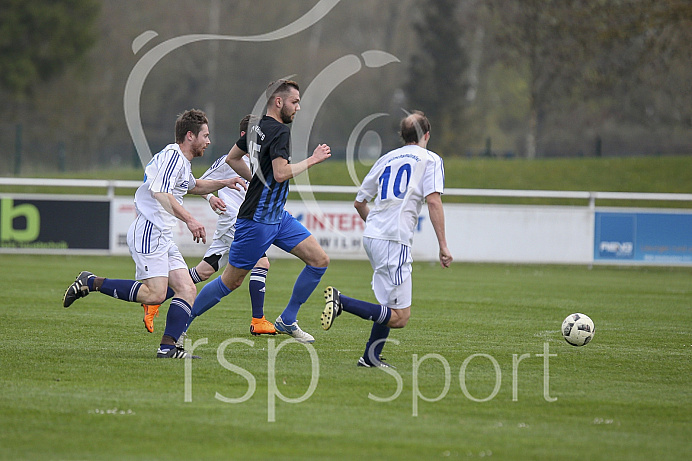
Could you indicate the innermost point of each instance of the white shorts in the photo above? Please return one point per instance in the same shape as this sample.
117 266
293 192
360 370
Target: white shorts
223 237
391 280
154 252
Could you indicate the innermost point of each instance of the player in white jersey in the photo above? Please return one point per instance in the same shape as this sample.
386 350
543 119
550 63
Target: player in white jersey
400 181
226 205
159 264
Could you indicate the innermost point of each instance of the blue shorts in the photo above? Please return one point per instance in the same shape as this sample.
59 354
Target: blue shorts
252 239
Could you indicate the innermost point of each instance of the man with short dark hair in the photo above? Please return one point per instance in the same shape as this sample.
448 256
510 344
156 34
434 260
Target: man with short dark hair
159 202
262 220
401 181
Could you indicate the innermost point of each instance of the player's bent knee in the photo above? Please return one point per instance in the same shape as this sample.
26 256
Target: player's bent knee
321 261
234 285
148 296
398 323
399 318
189 292
153 300
232 282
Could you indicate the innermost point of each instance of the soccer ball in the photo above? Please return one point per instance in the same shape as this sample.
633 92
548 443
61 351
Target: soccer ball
578 329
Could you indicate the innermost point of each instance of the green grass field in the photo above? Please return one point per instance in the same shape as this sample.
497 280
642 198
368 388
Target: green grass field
83 383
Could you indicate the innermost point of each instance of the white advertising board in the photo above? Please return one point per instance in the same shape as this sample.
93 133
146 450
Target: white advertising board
479 233
521 234
123 213
336 226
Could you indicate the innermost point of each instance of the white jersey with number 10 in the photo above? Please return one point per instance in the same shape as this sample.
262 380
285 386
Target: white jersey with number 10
400 180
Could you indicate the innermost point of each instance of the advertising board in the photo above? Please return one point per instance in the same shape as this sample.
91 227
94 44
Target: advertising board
48 225
637 236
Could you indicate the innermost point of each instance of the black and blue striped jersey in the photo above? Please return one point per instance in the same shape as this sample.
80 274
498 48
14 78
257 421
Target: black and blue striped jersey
265 198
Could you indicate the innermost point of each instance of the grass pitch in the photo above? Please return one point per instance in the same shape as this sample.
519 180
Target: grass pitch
83 382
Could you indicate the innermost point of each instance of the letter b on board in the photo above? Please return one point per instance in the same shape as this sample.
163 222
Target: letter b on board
8 214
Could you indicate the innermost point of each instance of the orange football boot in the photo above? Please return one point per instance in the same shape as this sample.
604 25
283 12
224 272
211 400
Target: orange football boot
150 311
262 327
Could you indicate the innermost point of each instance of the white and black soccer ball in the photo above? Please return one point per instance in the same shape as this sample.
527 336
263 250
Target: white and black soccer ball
578 329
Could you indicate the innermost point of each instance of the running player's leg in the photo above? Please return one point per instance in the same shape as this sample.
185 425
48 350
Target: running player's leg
154 291
392 286
391 283
251 241
151 265
213 259
181 305
201 272
316 262
293 237
257 287
216 257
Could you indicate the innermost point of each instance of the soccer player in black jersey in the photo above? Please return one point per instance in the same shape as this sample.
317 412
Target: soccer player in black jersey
262 220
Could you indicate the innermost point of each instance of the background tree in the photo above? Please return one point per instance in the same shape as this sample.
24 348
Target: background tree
639 68
39 38
595 65
615 70
437 69
538 36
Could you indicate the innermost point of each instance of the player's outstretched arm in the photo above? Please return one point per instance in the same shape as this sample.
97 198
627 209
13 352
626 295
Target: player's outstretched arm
283 171
437 218
205 186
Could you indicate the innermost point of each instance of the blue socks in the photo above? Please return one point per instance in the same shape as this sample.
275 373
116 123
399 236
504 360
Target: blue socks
257 288
379 315
209 297
379 332
195 276
122 289
365 310
305 284
119 289
176 320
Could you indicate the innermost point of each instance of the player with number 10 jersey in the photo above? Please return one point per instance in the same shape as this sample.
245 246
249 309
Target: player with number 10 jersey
400 180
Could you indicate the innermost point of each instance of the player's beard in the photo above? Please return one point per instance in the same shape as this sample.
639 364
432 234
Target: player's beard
198 149
285 116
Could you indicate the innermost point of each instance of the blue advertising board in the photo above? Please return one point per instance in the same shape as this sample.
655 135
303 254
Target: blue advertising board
643 237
